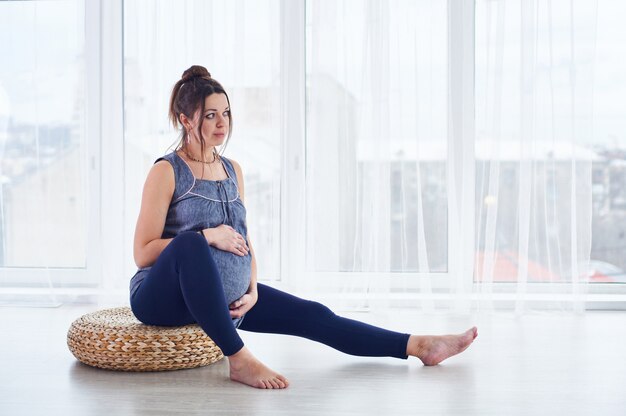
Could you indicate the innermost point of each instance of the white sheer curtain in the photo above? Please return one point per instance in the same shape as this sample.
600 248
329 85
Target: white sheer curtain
378 189
534 86
376 144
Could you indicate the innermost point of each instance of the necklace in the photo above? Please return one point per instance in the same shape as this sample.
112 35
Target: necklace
201 161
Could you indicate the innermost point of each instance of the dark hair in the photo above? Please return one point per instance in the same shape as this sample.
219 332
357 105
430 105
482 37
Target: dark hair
188 97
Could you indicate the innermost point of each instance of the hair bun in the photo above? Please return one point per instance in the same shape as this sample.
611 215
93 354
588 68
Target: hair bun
195 71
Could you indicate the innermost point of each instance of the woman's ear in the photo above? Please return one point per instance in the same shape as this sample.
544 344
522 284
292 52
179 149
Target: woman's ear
184 120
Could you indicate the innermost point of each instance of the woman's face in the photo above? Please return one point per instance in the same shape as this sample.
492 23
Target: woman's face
216 119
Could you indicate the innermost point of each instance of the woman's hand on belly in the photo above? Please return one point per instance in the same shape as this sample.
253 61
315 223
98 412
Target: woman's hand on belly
226 238
242 305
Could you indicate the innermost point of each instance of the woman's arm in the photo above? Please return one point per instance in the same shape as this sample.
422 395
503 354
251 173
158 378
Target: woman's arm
157 194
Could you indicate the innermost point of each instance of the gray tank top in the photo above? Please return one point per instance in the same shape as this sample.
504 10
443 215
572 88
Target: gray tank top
198 204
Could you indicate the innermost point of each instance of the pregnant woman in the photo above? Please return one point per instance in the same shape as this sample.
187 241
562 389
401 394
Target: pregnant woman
197 265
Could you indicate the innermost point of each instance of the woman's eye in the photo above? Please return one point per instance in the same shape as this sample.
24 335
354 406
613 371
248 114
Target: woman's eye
210 115
227 113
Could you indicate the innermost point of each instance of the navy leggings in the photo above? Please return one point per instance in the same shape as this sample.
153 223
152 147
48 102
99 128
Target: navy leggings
184 287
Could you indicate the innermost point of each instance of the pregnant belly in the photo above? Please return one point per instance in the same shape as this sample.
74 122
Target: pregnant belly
234 272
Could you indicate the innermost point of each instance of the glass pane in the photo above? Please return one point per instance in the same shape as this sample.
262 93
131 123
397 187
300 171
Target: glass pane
534 142
608 262
239 43
377 135
42 142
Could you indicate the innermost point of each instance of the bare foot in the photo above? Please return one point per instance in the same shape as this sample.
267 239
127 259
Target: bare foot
434 349
246 369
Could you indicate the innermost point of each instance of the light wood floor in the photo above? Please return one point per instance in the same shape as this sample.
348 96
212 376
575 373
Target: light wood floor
538 364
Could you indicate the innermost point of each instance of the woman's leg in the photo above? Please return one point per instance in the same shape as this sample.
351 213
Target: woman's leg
184 287
281 313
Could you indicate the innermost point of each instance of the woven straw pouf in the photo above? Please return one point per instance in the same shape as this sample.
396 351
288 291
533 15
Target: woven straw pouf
115 340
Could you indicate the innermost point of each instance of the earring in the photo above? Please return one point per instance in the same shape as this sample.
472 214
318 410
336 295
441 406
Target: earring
188 139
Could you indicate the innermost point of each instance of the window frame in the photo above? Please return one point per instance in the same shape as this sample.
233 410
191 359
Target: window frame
52 280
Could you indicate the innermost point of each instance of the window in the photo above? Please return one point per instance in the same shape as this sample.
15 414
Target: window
43 168
377 136
533 123
374 112
609 143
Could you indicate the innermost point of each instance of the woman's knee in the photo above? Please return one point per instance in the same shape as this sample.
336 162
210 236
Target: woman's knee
188 248
189 241
317 310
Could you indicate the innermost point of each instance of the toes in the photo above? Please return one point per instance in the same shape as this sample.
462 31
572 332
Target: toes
284 381
469 335
274 384
280 383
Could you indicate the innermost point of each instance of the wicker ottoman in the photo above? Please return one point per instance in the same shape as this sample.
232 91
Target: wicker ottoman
115 340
